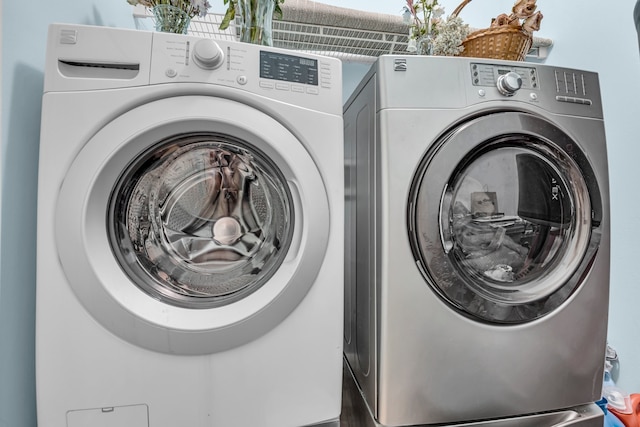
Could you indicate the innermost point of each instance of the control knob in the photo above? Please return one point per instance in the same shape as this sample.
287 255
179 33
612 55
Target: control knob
509 83
207 54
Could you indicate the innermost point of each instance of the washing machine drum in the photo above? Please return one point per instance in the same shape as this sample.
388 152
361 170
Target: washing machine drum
517 223
201 220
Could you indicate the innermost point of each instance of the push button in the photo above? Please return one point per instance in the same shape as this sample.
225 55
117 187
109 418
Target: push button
573 100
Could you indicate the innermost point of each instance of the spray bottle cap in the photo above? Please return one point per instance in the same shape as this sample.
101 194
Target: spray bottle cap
618 399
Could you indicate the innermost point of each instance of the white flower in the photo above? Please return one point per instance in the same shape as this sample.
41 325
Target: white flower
437 11
200 7
450 34
444 36
411 46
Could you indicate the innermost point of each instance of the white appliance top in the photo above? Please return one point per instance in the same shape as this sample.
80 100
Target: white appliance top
85 58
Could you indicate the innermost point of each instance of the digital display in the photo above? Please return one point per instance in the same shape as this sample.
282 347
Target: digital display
288 68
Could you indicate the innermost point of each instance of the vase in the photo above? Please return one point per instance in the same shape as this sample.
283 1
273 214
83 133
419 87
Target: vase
256 18
424 45
171 19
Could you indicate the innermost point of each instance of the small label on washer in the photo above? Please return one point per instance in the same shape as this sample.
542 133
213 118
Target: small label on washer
68 36
400 64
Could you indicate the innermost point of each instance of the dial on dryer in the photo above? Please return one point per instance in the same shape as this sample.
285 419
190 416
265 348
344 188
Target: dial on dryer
508 84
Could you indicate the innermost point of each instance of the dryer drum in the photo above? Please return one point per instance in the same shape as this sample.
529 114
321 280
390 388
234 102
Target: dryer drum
200 220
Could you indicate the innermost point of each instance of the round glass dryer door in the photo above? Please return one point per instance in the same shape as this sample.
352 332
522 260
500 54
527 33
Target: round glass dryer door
201 220
512 218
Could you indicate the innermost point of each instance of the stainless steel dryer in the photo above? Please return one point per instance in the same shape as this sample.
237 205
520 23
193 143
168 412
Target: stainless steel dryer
477 239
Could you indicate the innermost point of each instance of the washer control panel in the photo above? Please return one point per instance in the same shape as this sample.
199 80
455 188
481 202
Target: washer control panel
288 68
492 75
302 79
84 57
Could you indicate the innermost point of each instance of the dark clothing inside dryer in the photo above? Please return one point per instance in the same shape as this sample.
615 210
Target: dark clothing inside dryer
541 199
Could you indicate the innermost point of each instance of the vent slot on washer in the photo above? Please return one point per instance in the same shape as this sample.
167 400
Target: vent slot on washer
98 70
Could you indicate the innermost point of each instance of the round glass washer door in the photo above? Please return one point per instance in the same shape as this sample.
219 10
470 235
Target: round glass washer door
192 225
201 220
507 198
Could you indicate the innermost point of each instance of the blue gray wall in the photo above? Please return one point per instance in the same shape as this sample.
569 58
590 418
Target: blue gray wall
24 29
587 34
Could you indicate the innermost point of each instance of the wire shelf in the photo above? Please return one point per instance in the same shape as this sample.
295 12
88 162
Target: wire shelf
345 43
308 26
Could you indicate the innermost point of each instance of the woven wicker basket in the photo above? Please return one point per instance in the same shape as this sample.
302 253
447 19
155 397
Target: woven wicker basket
505 42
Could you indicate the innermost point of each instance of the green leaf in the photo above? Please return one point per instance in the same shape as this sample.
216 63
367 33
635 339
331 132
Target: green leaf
277 12
229 15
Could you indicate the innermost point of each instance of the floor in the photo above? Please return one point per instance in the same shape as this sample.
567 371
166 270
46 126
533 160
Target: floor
353 415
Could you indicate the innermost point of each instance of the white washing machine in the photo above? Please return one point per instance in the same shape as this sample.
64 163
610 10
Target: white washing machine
190 233
477 239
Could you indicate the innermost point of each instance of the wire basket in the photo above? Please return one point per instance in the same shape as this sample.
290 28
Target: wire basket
504 42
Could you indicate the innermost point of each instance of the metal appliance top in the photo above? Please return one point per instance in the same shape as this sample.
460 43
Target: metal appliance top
433 82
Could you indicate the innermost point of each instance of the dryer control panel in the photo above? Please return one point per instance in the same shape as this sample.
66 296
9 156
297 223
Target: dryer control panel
563 90
490 74
439 82
570 86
